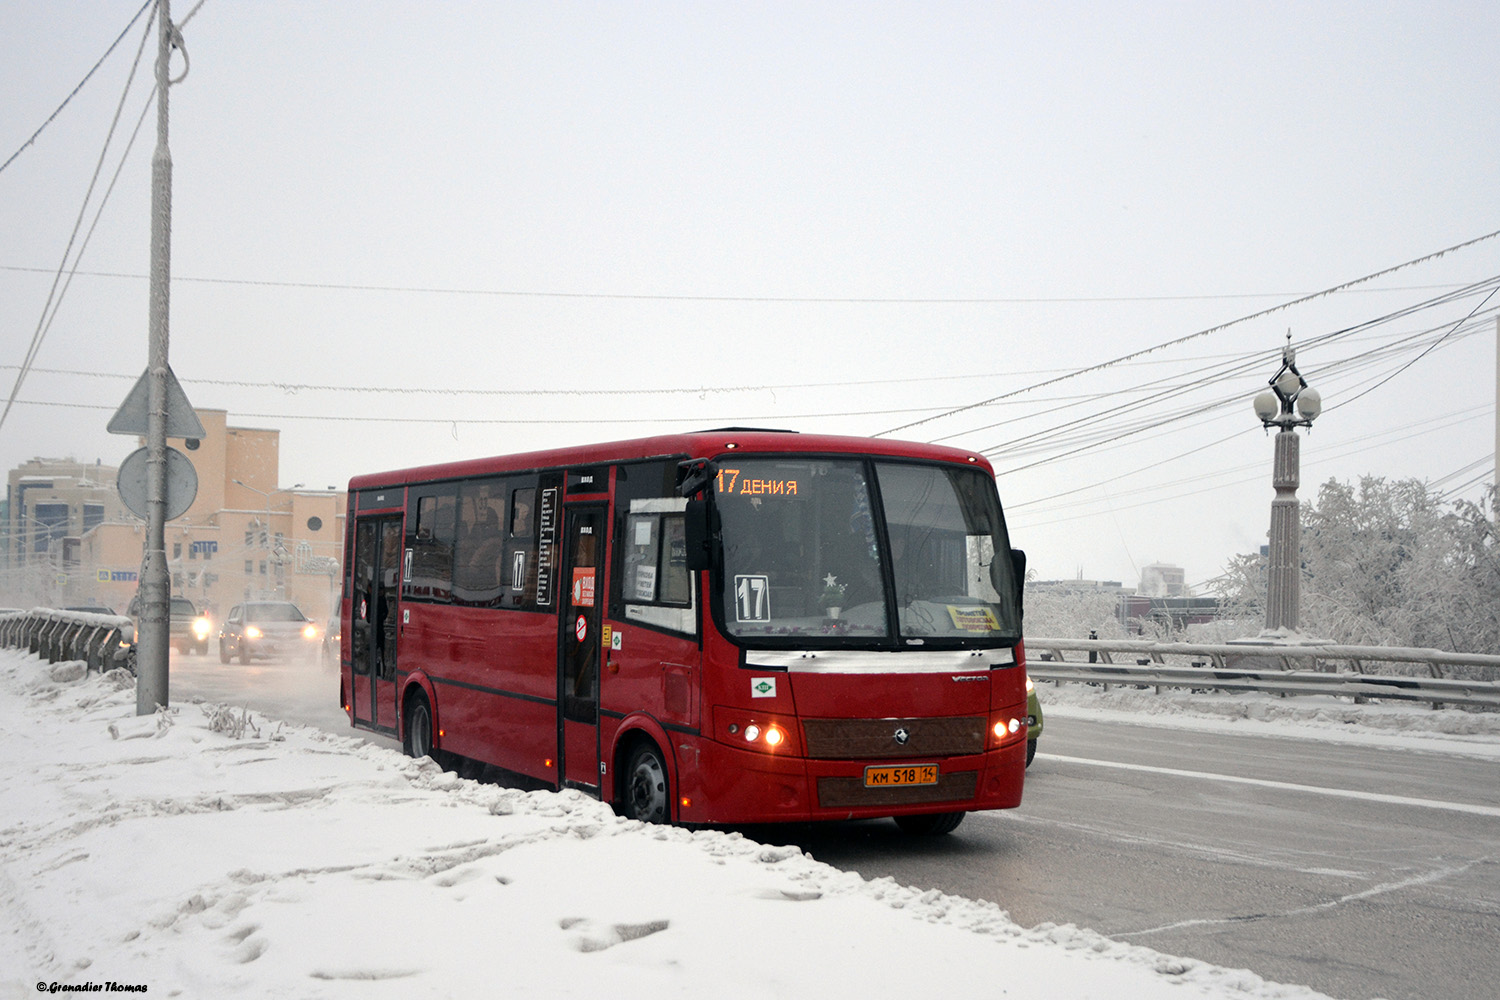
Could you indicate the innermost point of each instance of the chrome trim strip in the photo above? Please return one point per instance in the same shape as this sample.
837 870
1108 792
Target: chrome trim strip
864 661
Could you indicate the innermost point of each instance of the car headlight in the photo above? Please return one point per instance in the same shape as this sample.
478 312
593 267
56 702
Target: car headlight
202 627
310 632
251 632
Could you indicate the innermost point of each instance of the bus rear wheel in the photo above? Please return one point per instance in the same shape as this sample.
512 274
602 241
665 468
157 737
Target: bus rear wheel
930 824
646 786
417 739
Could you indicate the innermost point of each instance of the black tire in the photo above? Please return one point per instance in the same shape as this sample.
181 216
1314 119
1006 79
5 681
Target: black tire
1030 751
416 737
244 652
647 792
223 651
930 824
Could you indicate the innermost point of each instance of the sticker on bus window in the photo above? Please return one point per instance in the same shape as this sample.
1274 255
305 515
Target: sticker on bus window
973 619
583 587
645 583
752 598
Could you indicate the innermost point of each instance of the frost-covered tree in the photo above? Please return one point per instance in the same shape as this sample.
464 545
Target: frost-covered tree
1072 614
1388 563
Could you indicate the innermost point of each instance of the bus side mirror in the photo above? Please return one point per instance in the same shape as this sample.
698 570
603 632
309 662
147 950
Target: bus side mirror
697 533
693 475
1018 566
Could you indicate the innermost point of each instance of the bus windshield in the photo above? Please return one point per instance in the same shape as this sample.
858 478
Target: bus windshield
832 548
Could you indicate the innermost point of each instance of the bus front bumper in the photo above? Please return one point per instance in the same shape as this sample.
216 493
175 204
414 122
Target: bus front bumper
740 786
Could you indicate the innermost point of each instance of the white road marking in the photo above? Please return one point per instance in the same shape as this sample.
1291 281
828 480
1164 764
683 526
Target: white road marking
1342 793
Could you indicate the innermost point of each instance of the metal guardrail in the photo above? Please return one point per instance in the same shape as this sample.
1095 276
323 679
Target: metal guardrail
1272 668
103 642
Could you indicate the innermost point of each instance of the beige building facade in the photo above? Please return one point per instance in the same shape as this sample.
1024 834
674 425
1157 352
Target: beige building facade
245 537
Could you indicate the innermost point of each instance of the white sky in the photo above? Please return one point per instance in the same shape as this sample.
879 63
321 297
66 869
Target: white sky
611 204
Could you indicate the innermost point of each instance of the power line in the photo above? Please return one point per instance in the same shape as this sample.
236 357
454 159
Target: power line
1213 329
332 286
1067 432
54 296
76 89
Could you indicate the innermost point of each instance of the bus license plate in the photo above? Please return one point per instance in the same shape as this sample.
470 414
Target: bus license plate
904 774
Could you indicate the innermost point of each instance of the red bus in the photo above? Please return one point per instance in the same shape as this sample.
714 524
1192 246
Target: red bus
732 626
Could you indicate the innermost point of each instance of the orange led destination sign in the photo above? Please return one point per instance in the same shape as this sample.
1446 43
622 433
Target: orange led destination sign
730 482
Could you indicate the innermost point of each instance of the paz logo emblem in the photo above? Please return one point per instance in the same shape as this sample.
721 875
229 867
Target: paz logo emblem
763 687
902 735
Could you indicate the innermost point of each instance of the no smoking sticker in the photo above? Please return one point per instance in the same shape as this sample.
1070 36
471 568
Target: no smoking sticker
581 627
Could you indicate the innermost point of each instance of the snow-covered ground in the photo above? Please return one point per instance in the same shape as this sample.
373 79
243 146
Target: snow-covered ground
172 853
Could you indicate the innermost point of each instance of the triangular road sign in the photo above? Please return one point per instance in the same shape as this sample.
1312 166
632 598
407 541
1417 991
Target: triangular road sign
182 420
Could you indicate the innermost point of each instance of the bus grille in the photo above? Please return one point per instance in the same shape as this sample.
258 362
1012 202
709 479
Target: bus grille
880 739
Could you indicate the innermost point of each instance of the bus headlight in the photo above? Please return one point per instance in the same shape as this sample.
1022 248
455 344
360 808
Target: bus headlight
1003 728
765 733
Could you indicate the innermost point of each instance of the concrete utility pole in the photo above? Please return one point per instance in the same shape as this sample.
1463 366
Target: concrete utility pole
153 638
1274 408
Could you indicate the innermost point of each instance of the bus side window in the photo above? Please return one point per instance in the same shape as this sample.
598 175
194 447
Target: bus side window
676 581
431 544
519 567
477 571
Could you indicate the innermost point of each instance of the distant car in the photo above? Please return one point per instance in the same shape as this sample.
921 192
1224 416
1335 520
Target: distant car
188 630
1033 720
91 609
266 629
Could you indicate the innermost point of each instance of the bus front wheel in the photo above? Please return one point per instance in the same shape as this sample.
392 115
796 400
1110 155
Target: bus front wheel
930 824
646 786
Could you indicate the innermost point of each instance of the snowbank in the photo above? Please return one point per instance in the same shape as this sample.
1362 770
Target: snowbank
207 853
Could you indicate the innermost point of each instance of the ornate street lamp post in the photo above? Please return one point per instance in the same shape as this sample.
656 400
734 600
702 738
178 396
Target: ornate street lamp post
1289 392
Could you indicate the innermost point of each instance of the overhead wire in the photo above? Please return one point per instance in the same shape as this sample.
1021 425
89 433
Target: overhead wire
1210 330
54 295
767 299
74 92
1343 453
1220 373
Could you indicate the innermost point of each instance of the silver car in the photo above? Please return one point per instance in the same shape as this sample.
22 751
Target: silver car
266 629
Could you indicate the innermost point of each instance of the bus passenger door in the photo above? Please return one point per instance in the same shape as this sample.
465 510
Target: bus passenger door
579 648
374 621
